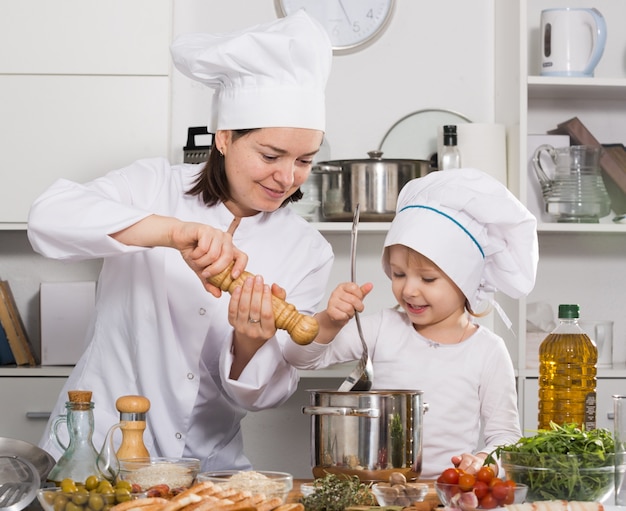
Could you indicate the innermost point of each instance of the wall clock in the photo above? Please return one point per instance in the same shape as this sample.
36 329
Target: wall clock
351 24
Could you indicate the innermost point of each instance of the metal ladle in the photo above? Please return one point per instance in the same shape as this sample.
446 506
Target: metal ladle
360 379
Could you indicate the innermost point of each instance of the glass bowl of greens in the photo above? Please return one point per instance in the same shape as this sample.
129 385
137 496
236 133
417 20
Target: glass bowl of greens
574 477
563 463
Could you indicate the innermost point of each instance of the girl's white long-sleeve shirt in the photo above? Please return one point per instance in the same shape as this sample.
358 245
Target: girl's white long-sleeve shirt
157 332
469 387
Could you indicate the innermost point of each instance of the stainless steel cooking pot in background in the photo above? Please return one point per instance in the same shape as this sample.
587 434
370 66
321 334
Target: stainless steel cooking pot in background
368 434
374 183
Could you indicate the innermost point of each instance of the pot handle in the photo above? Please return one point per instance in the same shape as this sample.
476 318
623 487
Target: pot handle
341 410
323 168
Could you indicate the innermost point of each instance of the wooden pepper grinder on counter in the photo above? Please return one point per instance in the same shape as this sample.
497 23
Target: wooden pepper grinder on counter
133 410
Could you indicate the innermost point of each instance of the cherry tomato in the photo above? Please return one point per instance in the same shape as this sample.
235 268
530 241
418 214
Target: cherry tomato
449 476
466 481
488 502
510 496
494 481
485 474
499 491
481 488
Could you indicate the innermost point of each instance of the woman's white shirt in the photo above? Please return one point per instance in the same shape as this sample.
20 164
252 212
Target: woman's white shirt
157 331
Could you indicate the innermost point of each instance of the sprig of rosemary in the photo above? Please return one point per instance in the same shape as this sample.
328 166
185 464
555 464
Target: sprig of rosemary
335 493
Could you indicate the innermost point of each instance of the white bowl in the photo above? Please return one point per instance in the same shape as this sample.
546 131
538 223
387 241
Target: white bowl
306 209
399 494
307 489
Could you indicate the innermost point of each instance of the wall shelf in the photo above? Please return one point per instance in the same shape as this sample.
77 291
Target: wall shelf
371 227
545 87
586 228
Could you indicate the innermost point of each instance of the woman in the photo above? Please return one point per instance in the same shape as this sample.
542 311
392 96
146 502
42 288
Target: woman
161 330
457 236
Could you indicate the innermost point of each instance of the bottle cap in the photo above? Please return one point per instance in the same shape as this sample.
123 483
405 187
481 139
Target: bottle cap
79 396
569 311
449 135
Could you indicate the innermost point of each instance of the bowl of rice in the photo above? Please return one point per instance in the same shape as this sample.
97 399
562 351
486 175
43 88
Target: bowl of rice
270 484
145 473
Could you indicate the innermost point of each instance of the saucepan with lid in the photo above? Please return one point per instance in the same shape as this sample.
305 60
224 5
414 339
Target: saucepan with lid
373 182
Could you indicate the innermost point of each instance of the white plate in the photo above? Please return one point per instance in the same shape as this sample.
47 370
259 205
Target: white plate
415 135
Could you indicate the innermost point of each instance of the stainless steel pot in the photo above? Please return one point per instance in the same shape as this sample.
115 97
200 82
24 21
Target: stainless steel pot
367 434
374 183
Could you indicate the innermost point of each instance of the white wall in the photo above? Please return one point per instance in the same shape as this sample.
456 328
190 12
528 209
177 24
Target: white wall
433 55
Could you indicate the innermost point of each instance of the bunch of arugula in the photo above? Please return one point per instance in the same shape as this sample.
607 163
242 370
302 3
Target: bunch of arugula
335 493
562 463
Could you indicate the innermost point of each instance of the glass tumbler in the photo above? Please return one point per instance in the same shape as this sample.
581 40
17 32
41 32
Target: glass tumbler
619 410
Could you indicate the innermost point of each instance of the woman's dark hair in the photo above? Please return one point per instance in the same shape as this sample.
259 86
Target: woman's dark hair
212 183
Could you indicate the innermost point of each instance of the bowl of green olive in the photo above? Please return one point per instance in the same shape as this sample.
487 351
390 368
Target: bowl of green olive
93 495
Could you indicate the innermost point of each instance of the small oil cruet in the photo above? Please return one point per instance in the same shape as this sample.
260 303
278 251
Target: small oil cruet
576 193
80 458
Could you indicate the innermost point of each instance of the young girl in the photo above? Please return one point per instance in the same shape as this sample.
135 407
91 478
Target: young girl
458 236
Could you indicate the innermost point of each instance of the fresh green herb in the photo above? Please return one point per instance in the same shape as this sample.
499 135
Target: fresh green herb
335 493
561 463
396 431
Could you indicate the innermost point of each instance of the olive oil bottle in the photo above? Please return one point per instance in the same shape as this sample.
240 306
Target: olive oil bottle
567 374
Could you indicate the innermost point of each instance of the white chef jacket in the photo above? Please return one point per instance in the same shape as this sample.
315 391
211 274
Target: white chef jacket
157 332
469 387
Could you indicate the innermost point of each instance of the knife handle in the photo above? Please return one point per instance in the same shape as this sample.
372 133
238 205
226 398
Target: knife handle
303 329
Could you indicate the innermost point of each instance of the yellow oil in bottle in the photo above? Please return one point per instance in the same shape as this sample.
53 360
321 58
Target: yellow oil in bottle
567 374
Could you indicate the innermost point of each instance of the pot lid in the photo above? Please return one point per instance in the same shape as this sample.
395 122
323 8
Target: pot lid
42 461
374 157
19 483
415 135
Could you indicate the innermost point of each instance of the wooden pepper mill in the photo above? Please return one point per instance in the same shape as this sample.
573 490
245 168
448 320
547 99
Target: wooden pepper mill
133 411
303 329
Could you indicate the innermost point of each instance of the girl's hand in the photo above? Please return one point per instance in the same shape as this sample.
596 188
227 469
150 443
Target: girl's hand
345 300
471 463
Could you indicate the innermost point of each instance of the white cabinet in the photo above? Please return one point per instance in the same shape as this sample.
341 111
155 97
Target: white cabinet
85 88
581 263
27 396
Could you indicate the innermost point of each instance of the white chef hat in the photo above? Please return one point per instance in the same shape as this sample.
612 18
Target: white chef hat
473 228
269 75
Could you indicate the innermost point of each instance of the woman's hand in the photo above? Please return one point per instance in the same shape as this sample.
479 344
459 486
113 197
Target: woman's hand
251 314
207 251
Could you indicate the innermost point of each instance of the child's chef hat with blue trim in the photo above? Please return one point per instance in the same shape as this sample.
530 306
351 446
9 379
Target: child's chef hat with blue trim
473 228
269 75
